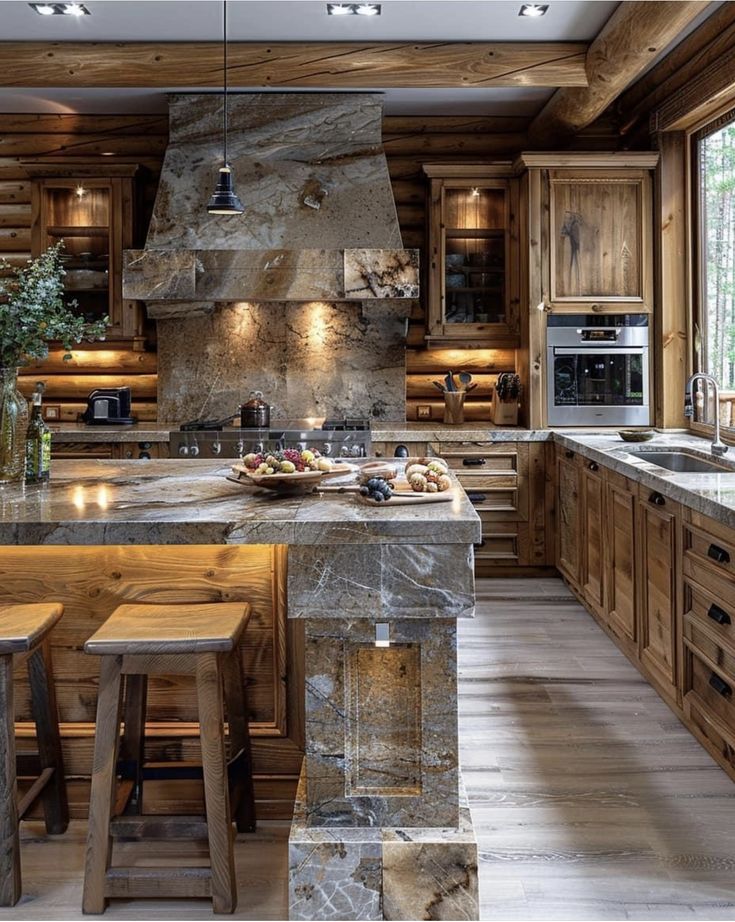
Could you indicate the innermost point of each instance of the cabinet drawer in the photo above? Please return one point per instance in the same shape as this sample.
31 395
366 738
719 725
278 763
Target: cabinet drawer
81 449
710 730
703 548
482 460
712 611
712 691
505 543
703 643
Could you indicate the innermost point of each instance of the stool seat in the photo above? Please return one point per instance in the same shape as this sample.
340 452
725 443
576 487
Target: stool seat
23 627
177 629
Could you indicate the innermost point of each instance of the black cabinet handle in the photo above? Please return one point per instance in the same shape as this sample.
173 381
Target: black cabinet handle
593 466
657 499
400 452
720 685
474 462
718 615
718 553
476 498
568 454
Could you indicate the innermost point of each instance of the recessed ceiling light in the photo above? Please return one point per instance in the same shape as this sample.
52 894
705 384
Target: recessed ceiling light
533 10
60 9
354 9
107 153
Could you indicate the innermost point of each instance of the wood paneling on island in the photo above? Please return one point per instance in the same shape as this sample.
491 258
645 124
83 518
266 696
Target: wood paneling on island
92 581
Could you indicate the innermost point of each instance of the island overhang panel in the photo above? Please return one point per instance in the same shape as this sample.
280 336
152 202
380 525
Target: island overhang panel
381 828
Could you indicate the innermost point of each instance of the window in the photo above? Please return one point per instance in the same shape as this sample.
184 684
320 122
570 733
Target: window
714 172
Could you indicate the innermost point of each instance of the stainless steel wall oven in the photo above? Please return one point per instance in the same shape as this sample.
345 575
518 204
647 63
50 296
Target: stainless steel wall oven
598 370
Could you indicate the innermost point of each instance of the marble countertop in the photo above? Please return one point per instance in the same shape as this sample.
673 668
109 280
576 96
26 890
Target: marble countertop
193 502
710 494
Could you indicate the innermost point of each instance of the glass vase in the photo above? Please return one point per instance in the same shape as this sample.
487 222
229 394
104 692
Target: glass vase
13 428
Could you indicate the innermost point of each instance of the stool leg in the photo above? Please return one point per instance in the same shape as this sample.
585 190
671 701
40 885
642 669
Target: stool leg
104 782
10 882
46 717
216 794
132 747
237 718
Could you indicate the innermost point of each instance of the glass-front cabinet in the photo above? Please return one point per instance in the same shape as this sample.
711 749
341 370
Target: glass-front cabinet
93 216
472 284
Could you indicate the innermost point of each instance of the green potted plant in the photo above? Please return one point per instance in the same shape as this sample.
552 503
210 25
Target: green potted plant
505 399
33 313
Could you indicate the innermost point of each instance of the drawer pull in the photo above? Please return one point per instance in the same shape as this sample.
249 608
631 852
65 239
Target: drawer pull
718 615
474 462
568 454
718 553
657 499
720 685
476 498
593 466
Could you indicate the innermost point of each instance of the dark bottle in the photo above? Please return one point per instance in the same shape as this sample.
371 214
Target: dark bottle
38 442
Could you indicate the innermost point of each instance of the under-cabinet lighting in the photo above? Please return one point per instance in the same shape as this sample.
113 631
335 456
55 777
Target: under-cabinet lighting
354 9
80 192
60 9
382 634
475 193
533 10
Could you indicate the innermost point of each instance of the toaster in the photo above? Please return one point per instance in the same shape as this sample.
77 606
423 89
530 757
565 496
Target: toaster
109 406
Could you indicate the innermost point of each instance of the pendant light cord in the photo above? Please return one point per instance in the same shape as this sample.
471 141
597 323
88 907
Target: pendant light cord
224 55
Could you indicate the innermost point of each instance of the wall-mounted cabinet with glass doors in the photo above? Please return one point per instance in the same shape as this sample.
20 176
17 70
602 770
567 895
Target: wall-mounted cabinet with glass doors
91 211
473 255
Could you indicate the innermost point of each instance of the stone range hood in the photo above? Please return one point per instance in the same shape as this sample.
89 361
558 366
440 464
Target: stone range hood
310 171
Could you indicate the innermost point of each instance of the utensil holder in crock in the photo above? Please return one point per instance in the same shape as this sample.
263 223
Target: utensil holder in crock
454 407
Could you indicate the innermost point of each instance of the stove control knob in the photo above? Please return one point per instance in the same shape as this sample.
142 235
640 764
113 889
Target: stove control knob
344 451
216 448
356 451
184 451
194 451
327 448
240 448
301 446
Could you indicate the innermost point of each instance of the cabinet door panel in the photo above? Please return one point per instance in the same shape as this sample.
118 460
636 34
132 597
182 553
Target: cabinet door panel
658 565
593 505
620 523
568 547
600 240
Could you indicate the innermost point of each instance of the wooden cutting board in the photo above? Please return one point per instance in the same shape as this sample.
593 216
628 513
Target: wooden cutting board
403 495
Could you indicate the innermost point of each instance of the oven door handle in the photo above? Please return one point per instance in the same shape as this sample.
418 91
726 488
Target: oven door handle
612 349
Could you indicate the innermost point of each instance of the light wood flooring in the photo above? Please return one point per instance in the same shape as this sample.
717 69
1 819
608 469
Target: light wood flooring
589 799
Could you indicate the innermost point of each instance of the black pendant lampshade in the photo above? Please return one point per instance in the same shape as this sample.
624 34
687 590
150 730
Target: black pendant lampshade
224 200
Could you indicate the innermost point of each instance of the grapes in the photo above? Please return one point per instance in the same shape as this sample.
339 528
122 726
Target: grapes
377 489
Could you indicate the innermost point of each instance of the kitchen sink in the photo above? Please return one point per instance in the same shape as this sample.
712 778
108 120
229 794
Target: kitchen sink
683 462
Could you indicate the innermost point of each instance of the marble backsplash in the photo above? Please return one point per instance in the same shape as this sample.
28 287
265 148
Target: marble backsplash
310 360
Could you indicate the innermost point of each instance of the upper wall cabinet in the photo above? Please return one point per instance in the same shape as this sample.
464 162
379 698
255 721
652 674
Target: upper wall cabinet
595 231
473 255
91 210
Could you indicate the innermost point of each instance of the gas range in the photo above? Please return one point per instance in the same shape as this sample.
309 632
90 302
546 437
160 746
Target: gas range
336 438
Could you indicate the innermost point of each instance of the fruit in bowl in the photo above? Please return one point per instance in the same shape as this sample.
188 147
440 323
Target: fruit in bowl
429 477
288 461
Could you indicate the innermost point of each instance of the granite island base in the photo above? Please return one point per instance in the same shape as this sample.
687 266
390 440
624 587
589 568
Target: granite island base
380 829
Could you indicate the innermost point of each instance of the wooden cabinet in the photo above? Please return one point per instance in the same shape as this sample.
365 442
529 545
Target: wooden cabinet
473 280
658 571
506 481
92 213
119 451
593 529
599 241
621 539
568 515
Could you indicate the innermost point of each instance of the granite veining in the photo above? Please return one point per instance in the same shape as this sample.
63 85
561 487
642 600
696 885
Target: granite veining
309 360
192 502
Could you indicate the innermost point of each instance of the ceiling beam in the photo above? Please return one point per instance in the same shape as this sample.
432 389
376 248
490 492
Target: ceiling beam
633 36
339 65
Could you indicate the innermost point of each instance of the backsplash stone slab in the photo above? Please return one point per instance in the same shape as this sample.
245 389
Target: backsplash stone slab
310 360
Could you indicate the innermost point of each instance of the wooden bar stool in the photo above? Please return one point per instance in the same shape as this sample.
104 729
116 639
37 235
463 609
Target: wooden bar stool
25 629
141 640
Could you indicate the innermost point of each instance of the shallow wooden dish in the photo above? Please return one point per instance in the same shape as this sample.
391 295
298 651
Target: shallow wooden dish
403 495
298 482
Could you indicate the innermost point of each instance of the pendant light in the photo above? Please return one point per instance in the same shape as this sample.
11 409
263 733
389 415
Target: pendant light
224 200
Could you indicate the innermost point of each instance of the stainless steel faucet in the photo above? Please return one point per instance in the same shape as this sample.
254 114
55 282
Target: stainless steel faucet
718 446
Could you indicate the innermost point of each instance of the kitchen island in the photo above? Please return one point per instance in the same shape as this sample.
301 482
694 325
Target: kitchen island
380 828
